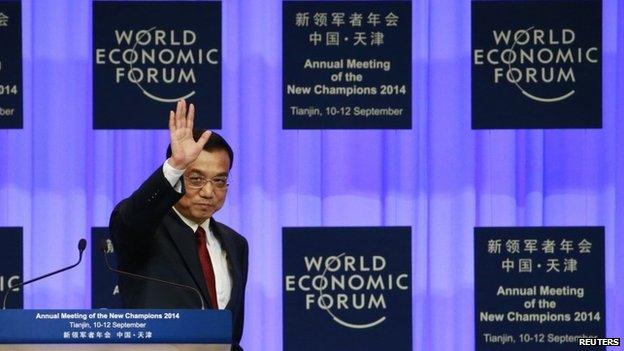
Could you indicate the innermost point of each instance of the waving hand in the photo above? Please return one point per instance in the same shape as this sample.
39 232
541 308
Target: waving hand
184 149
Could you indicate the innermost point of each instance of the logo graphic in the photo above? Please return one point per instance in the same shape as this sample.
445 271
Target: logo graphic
157 47
536 57
156 55
339 282
345 282
536 64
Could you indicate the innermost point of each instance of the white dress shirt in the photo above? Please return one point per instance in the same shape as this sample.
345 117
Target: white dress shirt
218 257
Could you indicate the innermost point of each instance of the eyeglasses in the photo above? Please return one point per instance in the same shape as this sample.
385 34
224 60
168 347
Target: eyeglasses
197 182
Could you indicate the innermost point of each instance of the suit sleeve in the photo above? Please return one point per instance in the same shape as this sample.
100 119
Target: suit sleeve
142 212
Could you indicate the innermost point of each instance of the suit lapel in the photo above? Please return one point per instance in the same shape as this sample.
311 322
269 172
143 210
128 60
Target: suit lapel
184 239
229 246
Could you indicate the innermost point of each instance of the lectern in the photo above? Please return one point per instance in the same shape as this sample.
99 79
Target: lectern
161 330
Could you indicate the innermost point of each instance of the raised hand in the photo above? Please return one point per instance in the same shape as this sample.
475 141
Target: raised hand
184 149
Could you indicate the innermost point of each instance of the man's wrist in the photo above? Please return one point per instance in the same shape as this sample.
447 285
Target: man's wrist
177 165
173 175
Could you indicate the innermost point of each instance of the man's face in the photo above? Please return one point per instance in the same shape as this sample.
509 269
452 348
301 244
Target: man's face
199 204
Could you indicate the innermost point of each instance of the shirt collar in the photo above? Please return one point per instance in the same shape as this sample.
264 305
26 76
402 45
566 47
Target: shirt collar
193 225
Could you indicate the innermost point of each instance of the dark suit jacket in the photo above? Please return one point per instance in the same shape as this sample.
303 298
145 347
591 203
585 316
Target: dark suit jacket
150 239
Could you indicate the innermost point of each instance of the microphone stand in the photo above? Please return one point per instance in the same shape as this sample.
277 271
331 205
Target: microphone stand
82 244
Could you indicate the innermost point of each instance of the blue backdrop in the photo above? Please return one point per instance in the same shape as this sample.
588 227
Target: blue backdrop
59 177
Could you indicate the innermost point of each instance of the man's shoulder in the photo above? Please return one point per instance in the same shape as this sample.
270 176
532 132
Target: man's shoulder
152 189
223 228
144 210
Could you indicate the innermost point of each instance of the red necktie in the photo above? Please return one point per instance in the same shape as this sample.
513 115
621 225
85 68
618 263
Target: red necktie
206 264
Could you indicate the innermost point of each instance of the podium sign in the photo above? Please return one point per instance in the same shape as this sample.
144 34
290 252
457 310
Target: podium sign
115 327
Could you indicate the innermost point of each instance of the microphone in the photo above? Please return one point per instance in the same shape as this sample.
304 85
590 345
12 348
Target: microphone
82 245
104 248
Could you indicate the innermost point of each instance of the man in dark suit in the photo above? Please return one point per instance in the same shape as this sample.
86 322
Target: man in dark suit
165 229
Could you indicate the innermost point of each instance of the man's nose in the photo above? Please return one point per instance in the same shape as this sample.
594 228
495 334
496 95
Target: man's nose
207 190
